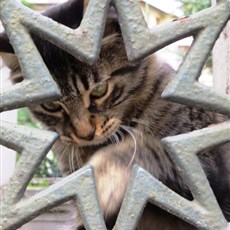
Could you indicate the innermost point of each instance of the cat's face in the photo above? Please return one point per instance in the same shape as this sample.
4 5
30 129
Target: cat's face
96 99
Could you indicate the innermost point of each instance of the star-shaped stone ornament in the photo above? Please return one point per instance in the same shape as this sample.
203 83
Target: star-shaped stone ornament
84 43
202 212
34 145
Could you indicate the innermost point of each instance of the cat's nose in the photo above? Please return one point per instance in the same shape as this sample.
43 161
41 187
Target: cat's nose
83 128
88 136
85 132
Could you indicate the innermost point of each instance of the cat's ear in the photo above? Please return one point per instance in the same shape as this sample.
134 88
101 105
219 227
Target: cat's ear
112 25
5 44
69 14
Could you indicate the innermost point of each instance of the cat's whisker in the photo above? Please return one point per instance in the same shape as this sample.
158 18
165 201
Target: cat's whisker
140 121
119 133
64 151
79 160
111 139
134 130
130 131
116 138
72 158
71 167
77 157
69 158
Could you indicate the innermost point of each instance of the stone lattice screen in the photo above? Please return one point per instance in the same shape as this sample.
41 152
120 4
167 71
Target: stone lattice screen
84 43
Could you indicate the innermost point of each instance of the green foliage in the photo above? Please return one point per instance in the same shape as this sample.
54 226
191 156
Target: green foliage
26 3
192 6
24 118
48 167
41 183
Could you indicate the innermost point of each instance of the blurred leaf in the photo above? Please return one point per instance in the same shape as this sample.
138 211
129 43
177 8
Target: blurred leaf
41 183
49 166
26 3
25 119
192 6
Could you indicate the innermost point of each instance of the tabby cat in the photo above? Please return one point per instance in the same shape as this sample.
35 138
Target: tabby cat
111 116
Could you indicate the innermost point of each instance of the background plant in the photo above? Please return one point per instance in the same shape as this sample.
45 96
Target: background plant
49 166
192 6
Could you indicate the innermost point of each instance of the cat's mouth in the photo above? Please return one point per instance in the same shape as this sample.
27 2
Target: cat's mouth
84 142
100 135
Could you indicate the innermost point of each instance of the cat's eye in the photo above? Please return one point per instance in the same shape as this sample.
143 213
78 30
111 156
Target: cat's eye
52 106
99 91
